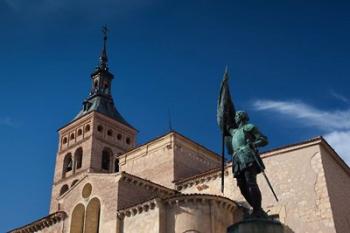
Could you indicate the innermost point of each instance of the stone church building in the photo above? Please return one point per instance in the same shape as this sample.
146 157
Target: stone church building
105 182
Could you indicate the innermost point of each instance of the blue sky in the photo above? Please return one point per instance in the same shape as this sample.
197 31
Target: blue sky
288 60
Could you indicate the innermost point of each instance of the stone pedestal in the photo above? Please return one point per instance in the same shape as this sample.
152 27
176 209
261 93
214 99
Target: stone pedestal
256 226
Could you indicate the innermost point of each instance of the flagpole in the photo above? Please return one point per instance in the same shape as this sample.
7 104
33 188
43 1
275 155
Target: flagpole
223 158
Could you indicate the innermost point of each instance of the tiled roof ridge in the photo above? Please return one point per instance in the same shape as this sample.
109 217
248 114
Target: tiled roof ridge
314 139
169 133
125 174
41 223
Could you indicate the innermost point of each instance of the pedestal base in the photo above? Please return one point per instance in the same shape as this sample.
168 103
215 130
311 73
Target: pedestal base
256 226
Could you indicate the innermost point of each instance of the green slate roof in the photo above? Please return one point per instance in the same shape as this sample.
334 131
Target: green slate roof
103 105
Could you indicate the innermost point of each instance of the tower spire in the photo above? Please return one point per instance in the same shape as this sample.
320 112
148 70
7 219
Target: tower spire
103 57
100 97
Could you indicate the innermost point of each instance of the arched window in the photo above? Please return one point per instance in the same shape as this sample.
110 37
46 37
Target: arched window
77 220
87 128
128 140
73 183
80 132
78 157
72 136
63 189
99 128
65 140
106 159
116 165
92 222
67 164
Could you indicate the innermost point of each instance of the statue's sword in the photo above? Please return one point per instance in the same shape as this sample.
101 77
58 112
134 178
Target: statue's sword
263 172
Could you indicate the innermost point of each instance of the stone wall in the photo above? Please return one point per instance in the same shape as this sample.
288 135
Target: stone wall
83 141
105 191
168 158
337 176
144 220
112 135
92 140
153 161
191 159
203 215
179 214
297 175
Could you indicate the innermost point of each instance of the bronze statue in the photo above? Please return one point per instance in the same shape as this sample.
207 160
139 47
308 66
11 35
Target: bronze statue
242 140
246 162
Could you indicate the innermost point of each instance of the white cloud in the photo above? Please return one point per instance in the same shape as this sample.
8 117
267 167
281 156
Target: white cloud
324 120
339 97
340 141
335 124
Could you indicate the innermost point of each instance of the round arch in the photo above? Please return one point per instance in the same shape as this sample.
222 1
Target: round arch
77 220
64 189
67 164
93 210
78 157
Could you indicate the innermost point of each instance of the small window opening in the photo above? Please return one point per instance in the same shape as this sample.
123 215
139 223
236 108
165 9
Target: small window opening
87 128
72 136
67 164
119 136
74 182
80 132
63 189
128 141
110 132
99 128
116 165
65 140
106 157
78 158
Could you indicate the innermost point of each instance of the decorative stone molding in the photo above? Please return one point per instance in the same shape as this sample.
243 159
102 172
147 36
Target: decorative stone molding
220 201
176 200
69 147
201 178
149 185
139 208
41 223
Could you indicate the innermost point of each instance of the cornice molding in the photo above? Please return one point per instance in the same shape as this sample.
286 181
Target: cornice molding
42 223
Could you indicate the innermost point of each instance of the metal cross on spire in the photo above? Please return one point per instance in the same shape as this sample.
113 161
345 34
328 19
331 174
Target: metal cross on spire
105 31
103 57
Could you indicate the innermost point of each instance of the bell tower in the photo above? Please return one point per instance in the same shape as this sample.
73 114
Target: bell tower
94 139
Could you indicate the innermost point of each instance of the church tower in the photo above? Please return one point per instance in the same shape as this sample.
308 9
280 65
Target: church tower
94 139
